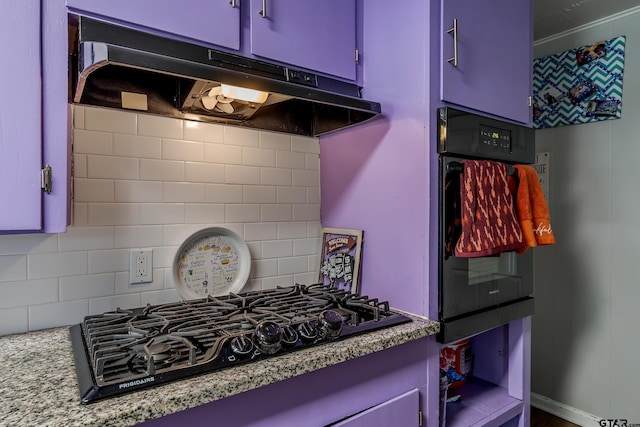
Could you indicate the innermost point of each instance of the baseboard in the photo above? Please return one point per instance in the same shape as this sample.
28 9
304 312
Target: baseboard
563 411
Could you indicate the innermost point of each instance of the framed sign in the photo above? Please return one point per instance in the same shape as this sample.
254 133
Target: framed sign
340 258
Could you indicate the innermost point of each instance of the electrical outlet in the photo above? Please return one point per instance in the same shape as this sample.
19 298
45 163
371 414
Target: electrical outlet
141 266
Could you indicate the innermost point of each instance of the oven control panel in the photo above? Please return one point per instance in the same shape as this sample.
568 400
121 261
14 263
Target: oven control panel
494 139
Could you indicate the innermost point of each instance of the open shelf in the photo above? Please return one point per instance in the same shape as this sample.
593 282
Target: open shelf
482 404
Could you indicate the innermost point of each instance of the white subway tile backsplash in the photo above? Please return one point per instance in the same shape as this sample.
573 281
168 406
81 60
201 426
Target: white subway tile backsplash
204 132
204 172
275 140
173 149
277 248
27 292
86 238
306 246
264 268
292 265
240 136
138 191
162 170
163 127
145 147
305 144
143 236
292 230
306 178
13 267
112 121
260 231
150 182
314 262
60 314
100 305
312 162
86 286
291 195
222 193
112 167
108 261
113 214
275 213
160 297
93 190
258 157
242 213
307 278
56 264
275 176
204 213
259 194
162 213
223 154
309 212
92 142
242 174
79 165
290 160
14 320
185 192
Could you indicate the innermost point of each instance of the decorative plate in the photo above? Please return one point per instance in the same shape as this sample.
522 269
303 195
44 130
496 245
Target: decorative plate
213 261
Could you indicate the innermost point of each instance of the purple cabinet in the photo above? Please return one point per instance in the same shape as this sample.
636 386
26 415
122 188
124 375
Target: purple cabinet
493 50
210 21
319 36
28 105
20 117
399 411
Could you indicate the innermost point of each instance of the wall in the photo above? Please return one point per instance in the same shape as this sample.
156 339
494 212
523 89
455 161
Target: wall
149 182
584 333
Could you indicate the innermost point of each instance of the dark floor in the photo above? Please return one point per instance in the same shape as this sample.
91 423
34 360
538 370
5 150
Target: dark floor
539 418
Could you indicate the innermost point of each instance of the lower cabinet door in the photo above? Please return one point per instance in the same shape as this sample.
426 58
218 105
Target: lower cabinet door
399 411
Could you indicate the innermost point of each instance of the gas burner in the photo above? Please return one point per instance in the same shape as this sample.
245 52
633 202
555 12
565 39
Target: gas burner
125 350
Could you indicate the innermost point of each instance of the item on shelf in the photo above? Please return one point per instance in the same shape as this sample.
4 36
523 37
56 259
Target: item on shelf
456 363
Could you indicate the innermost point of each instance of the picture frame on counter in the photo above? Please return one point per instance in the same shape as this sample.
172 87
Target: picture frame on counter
340 258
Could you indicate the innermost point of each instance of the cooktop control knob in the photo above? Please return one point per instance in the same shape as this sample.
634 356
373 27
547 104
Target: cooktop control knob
241 345
268 337
330 324
289 336
308 332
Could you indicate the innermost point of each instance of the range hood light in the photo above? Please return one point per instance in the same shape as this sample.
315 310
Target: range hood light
244 94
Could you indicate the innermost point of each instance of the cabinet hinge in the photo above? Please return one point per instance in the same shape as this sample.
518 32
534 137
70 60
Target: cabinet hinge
46 179
419 417
357 55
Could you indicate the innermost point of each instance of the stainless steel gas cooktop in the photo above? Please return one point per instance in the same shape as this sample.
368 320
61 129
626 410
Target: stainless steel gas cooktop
125 350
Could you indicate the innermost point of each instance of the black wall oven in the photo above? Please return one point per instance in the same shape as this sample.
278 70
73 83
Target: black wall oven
478 293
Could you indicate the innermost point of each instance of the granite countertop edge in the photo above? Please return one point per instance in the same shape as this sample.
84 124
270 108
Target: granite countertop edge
32 395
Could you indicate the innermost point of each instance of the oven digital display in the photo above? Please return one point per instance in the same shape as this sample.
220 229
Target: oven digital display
495 139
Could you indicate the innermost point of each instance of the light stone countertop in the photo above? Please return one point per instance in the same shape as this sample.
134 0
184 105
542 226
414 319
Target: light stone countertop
39 386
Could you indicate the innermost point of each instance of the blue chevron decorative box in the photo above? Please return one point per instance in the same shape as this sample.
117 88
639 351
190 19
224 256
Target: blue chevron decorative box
580 85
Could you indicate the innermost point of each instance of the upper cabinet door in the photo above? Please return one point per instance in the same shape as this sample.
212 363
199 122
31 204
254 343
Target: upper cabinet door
494 56
20 117
319 36
209 21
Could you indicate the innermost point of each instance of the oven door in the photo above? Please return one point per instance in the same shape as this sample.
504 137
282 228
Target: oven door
470 285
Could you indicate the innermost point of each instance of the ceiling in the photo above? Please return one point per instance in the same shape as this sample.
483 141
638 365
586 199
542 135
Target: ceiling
555 16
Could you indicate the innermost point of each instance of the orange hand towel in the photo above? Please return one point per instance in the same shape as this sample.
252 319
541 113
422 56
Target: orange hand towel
531 210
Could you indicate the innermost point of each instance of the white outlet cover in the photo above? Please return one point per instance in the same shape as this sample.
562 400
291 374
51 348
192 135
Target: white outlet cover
141 266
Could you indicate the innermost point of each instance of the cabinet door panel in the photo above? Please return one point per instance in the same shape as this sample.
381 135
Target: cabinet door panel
495 45
399 411
20 116
320 37
210 21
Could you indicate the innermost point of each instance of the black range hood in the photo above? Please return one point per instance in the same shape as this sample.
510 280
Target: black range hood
119 67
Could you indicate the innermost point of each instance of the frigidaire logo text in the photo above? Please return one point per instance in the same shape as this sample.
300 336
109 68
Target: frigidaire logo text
137 382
